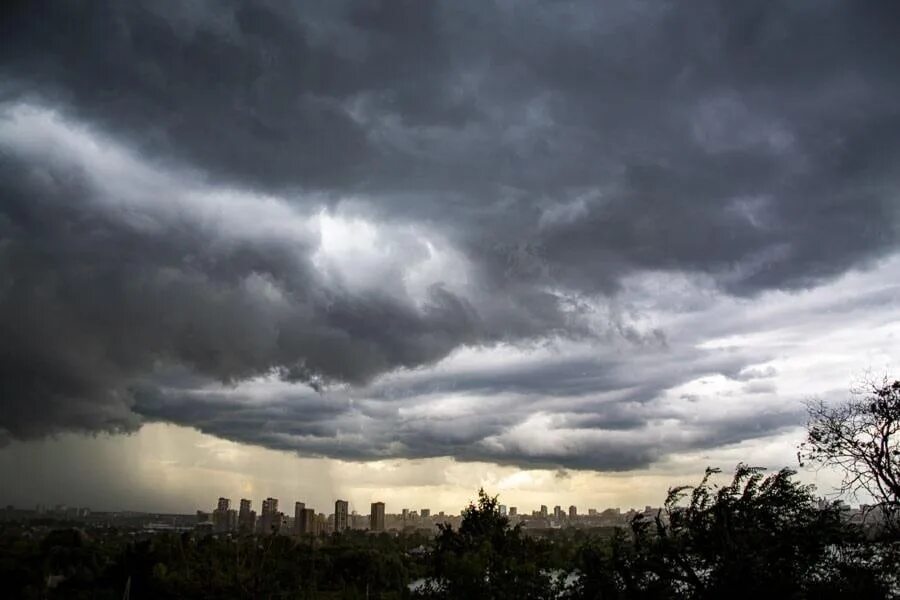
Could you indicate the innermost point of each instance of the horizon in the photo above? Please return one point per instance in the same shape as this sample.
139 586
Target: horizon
51 509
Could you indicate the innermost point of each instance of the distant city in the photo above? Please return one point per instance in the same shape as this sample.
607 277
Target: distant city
305 520
225 517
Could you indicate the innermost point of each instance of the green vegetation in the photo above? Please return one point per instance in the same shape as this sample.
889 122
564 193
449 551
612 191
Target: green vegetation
189 566
756 537
486 558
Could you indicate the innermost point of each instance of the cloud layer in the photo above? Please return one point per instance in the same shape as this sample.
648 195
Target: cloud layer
521 232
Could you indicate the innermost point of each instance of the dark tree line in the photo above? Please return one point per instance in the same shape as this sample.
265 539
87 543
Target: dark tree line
759 536
187 566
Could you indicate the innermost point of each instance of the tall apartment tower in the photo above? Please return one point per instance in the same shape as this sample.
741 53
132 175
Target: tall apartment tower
341 512
513 511
299 507
425 513
502 508
544 511
222 516
573 512
270 520
270 506
376 517
246 517
308 522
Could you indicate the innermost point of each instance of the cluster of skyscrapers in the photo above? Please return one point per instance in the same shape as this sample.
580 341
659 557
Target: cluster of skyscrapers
307 521
304 521
270 519
558 512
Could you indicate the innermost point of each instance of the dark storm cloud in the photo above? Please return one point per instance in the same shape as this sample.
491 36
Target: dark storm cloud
608 404
559 148
90 302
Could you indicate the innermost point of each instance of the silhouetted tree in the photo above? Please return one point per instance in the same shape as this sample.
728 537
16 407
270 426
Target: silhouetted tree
861 437
757 537
487 558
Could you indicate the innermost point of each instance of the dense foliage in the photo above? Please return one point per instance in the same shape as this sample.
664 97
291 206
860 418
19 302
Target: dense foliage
187 566
487 558
756 537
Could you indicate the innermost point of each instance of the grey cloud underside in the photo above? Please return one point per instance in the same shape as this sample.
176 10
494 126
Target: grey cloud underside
560 147
604 399
89 303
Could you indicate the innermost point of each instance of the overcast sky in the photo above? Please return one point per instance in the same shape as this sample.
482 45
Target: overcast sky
400 249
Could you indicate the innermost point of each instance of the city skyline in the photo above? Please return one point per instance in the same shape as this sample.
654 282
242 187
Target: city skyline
307 521
224 504
301 510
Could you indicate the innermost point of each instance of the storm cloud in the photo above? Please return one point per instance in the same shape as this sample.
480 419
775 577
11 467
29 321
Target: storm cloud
289 225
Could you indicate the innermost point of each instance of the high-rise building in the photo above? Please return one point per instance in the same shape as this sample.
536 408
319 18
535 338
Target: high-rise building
592 512
270 506
341 511
502 508
270 519
426 513
573 512
246 517
557 512
376 516
513 511
223 516
405 514
299 507
543 511
307 524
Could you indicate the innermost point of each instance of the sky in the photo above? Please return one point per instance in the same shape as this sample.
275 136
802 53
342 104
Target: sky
573 252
